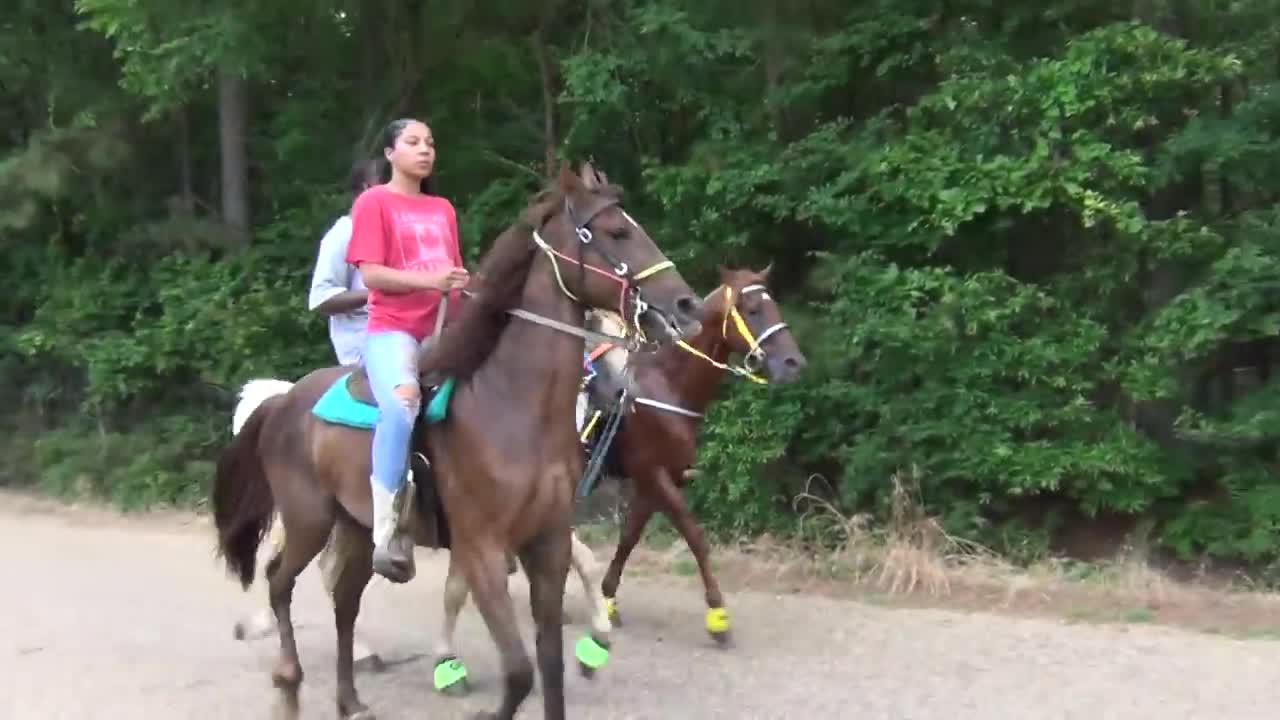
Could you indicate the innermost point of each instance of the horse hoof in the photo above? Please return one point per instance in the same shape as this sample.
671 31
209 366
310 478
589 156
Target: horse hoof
370 664
724 640
717 622
457 690
396 570
451 677
287 706
359 712
395 562
592 655
287 676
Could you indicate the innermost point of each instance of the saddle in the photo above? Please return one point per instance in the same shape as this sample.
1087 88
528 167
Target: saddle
358 380
601 395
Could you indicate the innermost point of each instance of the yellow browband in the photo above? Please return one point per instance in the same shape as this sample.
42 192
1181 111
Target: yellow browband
743 330
657 268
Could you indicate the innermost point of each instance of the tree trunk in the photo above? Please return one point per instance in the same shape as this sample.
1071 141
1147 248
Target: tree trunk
774 57
547 72
186 187
232 122
372 69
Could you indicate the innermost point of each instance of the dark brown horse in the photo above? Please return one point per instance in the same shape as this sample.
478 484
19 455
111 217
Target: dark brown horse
656 446
504 461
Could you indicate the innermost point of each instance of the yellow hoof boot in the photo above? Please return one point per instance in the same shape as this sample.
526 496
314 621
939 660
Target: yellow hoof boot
718 622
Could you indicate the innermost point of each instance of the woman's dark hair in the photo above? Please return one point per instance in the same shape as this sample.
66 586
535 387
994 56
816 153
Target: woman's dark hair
390 134
363 174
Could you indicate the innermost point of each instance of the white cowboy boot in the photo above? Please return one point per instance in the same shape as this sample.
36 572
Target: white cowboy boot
392 555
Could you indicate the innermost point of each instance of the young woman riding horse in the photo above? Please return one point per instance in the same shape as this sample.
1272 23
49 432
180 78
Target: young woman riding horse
404 241
504 460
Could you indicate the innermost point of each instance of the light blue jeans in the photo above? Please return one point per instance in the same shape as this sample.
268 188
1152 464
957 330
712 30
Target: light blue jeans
391 359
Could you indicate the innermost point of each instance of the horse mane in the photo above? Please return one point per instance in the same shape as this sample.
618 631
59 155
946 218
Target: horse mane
495 288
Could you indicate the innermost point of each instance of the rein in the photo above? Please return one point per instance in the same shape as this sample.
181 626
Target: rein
619 272
740 325
755 344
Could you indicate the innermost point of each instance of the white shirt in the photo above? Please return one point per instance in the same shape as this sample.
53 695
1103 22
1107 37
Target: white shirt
333 275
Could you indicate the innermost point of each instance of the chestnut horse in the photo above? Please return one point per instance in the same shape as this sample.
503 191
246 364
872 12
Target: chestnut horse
656 445
502 462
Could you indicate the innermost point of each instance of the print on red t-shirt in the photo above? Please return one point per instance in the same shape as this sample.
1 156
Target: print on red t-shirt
406 233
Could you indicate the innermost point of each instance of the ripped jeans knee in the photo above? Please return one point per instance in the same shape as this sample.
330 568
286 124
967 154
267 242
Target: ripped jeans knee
410 397
391 359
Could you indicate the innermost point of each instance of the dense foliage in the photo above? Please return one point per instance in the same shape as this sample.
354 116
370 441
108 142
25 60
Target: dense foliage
1031 249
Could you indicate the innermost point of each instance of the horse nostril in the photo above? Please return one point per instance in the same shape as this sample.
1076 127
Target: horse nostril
687 306
795 362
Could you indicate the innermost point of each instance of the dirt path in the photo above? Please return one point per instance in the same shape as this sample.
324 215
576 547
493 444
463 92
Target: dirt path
104 618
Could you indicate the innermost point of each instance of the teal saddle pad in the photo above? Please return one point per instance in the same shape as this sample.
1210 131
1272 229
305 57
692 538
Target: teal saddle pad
337 405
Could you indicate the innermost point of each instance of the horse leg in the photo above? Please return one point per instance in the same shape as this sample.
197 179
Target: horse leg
546 562
485 571
263 622
350 565
592 652
304 537
673 504
339 545
450 673
639 510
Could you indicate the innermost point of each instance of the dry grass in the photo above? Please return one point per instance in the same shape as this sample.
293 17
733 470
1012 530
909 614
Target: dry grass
912 561
911 552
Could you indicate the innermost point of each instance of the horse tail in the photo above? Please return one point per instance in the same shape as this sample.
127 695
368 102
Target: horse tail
243 507
253 394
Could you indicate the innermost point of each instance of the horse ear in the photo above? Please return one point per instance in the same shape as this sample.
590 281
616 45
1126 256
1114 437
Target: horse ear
725 274
590 179
568 181
764 274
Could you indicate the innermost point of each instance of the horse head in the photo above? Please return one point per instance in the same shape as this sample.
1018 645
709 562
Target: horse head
750 322
605 259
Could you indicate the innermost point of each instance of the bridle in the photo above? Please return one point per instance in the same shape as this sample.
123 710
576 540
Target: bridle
756 354
619 272
754 359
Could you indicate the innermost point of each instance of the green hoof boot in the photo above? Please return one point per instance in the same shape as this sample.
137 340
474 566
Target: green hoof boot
451 676
592 655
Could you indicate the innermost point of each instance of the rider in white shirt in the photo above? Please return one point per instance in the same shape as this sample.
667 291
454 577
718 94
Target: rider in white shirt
336 288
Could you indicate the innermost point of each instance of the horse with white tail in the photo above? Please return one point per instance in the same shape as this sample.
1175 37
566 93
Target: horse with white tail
496 454
450 672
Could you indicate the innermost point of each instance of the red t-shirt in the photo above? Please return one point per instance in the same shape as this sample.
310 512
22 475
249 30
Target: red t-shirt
404 232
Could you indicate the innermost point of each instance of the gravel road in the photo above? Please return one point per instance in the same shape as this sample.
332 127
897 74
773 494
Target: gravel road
103 618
